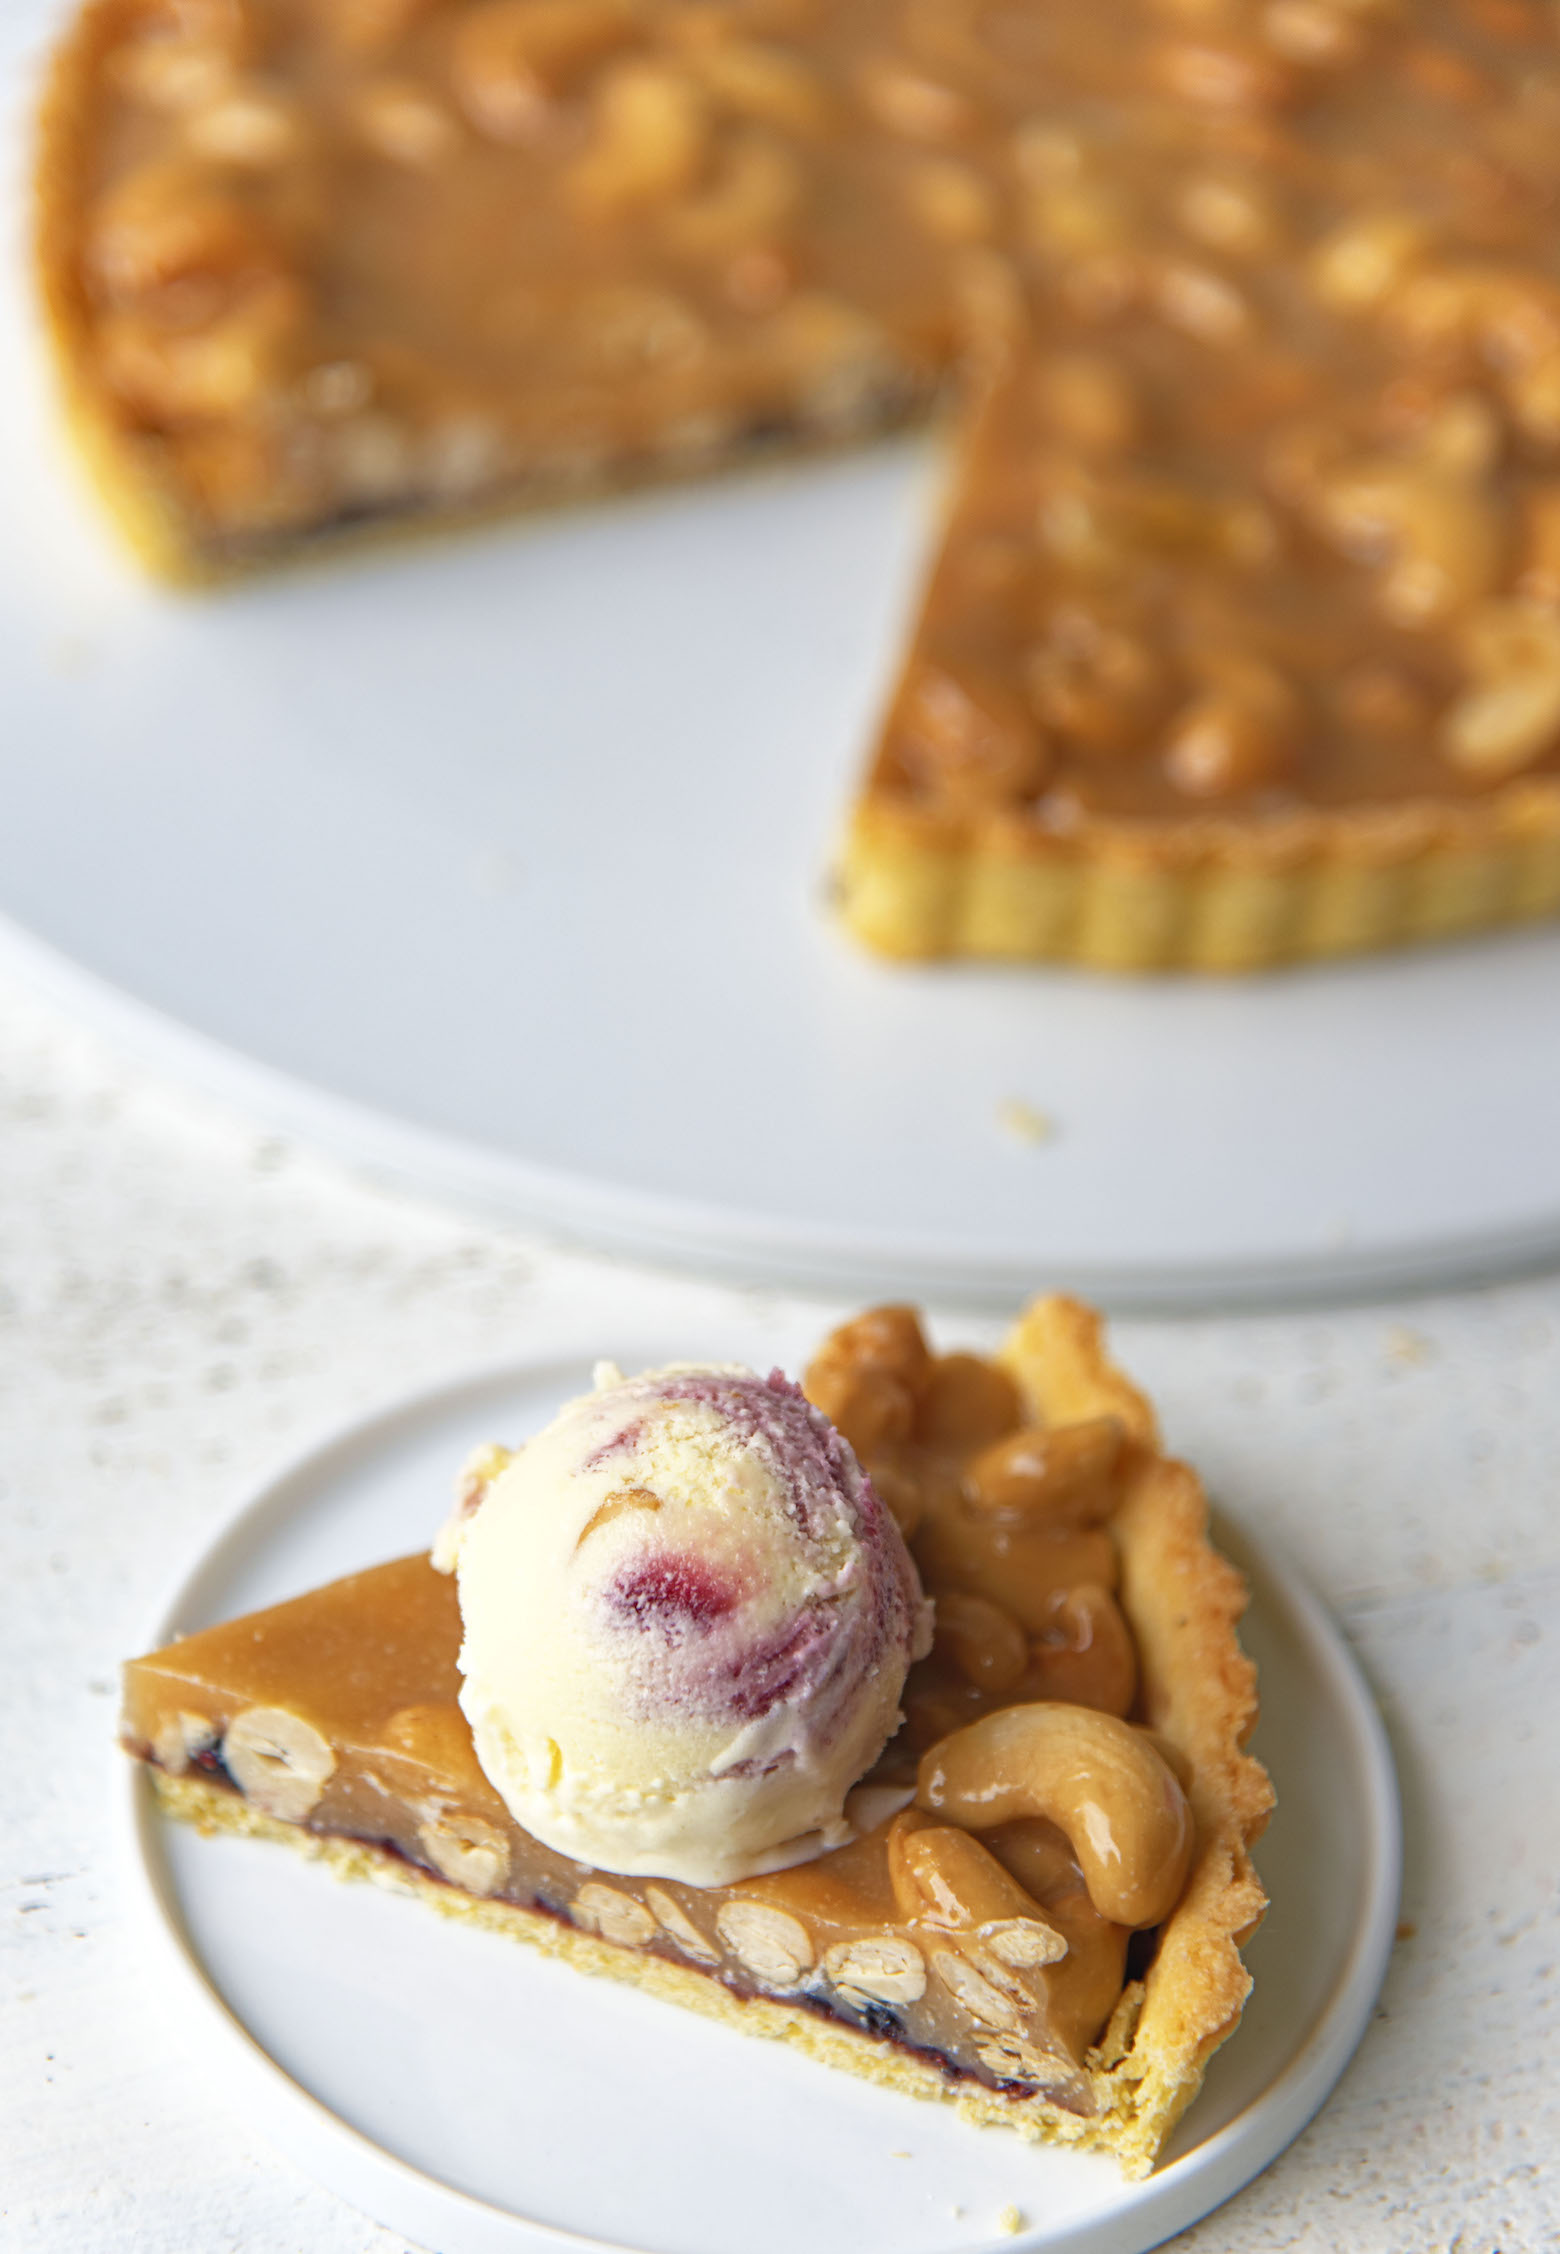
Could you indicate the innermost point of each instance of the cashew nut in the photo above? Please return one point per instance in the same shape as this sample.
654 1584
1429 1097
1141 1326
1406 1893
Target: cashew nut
247 128
1091 402
1238 733
985 1643
884 1338
649 138
971 736
513 59
1096 1778
754 193
1362 261
1084 1654
1061 1473
866 1374
1509 715
399 121
1014 1565
203 374
1094 683
167 223
968 1400
1441 536
914 105
768 84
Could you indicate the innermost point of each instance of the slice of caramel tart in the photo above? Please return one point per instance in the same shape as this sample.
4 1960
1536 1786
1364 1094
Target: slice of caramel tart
1030 1901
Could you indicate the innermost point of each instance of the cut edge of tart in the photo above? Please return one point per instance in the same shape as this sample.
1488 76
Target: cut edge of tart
1196 1693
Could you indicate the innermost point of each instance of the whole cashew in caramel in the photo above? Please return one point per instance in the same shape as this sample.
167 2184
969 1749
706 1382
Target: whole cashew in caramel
1096 1778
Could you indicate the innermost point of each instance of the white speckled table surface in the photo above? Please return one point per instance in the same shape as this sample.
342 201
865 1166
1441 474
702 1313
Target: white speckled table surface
183 1301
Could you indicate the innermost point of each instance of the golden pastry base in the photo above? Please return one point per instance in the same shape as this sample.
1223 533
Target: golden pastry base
215 1808
1197 1689
1208 893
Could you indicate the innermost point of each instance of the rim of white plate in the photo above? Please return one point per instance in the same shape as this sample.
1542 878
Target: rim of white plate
748 1247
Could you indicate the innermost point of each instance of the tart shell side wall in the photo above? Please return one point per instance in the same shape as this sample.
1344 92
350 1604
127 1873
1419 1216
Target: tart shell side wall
1198 1688
120 466
916 885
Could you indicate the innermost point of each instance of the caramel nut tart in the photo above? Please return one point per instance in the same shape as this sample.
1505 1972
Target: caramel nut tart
1031 1904
1243 644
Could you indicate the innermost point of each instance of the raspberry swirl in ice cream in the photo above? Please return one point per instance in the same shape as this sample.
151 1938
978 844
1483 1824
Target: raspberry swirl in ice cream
688 1619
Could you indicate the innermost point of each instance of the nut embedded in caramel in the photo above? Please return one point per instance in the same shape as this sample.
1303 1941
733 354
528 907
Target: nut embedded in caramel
1102 1783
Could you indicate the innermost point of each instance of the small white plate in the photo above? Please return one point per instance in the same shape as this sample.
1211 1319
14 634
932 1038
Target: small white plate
497 867
481 2099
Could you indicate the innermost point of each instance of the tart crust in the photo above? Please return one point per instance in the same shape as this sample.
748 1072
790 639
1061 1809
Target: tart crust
1197 1690
1206 893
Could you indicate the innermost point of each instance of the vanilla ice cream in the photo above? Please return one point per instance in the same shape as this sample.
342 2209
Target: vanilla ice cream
688 1619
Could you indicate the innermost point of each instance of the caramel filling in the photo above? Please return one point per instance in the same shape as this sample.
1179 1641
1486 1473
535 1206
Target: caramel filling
985 1923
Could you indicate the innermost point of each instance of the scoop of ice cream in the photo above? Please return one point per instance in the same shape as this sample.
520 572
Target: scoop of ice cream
688 1619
